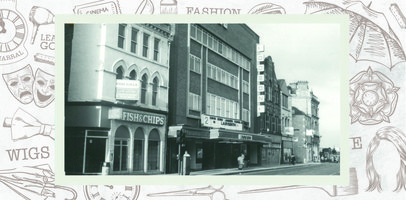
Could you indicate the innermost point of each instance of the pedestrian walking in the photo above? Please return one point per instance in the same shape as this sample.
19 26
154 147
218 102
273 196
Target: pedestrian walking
293 159
240 160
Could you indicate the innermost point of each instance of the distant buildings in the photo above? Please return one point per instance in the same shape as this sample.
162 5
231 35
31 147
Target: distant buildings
286 122
305 107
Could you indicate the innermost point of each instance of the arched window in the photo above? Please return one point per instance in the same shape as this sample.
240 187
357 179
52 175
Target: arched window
133 75
155 90
144 88
121 149
153 150
120 73
138 161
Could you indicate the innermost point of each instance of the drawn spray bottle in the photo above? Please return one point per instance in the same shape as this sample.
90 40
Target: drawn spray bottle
169 7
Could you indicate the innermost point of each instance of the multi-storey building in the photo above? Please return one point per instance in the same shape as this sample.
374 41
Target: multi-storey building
270 119
305 101
213 95
286 122
116 105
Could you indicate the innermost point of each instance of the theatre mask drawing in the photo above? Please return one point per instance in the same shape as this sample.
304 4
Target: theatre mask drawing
20 84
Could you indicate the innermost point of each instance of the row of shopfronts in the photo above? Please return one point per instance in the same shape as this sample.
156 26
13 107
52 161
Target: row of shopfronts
135 142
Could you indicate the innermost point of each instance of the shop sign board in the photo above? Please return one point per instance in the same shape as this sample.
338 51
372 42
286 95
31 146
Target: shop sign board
137 116
289 131
261 108
244 137
309 132
260 68
218 122
261 98
128 90
260 78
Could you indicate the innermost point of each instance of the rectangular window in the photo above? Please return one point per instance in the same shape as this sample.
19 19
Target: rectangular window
214 71
121 35
194 102
213 104
235 111
220 48
205 38
193 31
223 106
194 63
134 33
210 42
145 45
215 45
218 109
208 70
199 35
245 115
228 109
218 74
156 49
245 87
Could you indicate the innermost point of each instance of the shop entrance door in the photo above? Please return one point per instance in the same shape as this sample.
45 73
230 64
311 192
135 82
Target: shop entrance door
95 154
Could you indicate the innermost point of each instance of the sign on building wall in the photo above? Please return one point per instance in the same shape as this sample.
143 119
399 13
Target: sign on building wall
260 78
289 131
137 116
128 90
244 137
218 122
309 132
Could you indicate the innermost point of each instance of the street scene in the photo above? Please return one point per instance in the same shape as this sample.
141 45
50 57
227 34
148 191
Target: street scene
202 99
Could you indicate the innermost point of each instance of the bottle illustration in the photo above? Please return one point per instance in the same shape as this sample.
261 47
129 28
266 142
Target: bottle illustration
169 7
145 7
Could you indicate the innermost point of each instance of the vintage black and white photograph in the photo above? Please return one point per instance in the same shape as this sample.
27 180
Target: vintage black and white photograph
189 99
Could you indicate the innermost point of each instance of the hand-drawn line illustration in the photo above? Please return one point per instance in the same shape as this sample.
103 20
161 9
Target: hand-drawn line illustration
20 83
23 126
25 87
35 182
373 97
169 7
145 7
332 191
371 37
40 16
99 192
356 142
209 191
13 31
42 58
43 88
397 13
398 139
98 7
267 8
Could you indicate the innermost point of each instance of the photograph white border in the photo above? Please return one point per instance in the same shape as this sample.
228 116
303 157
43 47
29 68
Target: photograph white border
342 179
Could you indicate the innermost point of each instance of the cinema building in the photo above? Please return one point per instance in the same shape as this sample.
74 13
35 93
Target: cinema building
116 98
212 96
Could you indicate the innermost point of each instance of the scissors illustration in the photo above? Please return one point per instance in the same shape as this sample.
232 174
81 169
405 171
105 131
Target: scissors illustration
209 191
34 182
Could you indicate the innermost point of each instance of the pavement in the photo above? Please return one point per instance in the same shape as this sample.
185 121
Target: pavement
231 171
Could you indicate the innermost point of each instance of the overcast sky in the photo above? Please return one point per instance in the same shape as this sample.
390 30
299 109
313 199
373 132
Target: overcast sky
309 52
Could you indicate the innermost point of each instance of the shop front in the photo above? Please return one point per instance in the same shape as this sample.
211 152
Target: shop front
125 140
215 148
287 149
